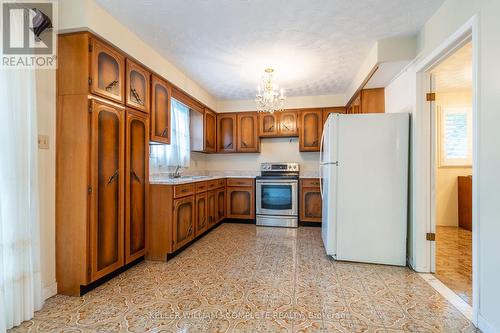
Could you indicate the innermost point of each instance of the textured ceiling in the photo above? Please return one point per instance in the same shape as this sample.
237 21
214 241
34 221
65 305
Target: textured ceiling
455 72
315 46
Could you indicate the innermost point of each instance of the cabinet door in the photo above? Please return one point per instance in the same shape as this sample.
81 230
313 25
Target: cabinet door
311 126
136 184
107 184
161 93
328 111
310 204
226 133
201 213
183 217
137 87
268 124
288 123
240 202
106 70
248 138
210 120
373 100
211 214
221 204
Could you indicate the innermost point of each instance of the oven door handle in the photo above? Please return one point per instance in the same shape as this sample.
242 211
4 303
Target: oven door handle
277 182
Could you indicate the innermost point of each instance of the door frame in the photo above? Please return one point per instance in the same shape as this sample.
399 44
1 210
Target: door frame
423 190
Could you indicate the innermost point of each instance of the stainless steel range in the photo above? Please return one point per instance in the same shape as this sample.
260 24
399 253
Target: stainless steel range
277 195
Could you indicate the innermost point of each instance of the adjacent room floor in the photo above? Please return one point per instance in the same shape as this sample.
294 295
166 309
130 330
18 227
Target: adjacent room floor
454 260
243 278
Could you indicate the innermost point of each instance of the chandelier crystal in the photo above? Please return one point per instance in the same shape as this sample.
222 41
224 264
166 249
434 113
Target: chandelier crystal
269 97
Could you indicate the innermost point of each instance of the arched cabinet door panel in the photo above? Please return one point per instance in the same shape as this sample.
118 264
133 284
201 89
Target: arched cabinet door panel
161 94
183 218
107 71
107 185
288 123
220 198
137 87
210 121
311 127
201 213
226 133
136 185
248 132
268 124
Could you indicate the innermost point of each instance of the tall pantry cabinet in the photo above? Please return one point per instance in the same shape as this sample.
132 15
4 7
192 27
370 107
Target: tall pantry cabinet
101 161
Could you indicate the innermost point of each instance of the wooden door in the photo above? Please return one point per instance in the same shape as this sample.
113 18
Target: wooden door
311 126
161 93
226 133
183 218
201 214
107 68
248 137
136 184
221 204
210 120
137 87
288 123
240 202
107 185
328 111
211 213
268 124
310 201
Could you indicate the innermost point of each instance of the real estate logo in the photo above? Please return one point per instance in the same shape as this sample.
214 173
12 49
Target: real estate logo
29 34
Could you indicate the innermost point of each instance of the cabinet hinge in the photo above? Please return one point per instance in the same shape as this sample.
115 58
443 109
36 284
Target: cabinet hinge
89 189
430 97
91 48
430 236
90 108
90 81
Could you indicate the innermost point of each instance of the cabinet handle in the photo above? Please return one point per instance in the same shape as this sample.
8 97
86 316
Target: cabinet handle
184 190
228 145
315 142
244 144
111 85
134 175
164 133
190 231
271 128
285 126
135 94
113 177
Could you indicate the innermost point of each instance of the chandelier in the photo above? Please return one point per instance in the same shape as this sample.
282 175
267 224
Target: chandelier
269 98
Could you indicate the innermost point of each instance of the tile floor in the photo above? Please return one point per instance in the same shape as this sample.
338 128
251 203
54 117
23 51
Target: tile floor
240 278
454 260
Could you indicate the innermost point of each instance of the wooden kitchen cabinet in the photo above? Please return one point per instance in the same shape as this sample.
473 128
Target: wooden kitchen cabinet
240 199
367 101
310 200
328 111
288 123
106 189
137 87
201 214
226 132
136 184
210 125
161 94
220 199
268 124
183 220
311 127
211 208
247 133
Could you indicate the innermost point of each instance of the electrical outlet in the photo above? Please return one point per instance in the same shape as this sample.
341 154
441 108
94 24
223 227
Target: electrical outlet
43 141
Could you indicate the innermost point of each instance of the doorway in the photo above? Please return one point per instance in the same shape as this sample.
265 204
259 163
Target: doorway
452 168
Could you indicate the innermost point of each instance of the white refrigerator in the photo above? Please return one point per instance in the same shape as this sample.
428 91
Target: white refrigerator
364 186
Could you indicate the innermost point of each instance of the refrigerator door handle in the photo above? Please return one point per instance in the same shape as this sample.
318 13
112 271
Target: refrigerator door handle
321 161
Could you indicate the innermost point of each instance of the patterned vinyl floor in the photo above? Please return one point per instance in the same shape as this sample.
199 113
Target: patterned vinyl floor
454 260
243 278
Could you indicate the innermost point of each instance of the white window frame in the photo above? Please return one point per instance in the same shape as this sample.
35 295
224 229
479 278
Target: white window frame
453 162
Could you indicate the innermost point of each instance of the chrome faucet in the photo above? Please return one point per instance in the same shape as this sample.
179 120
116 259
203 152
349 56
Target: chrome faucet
177 172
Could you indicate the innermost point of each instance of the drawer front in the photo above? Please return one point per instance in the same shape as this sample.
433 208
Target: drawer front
310 182
240 182
201 187
221 182
183 190
211 185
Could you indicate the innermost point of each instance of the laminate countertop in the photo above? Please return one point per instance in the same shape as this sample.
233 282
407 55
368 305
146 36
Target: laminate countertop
189 179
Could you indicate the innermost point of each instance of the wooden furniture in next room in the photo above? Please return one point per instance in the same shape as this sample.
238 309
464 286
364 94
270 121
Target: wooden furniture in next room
465 202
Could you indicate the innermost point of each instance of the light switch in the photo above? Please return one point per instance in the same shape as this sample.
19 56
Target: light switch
43 141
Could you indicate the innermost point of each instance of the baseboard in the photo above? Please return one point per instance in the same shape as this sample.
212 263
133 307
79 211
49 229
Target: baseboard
50 291
485 326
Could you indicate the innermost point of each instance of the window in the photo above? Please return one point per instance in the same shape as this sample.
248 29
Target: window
455 137
177 153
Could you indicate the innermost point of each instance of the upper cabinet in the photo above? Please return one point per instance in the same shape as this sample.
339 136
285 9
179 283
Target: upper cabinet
161 93
137 87
368 101
247 133
226 133
311 126
328 111
210 125
107 68
288 123
279 124
268 124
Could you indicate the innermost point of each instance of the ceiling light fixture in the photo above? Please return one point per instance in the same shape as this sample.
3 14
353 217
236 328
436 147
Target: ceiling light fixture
269 97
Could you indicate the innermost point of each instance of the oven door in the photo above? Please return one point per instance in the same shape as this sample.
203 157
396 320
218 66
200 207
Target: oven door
276 197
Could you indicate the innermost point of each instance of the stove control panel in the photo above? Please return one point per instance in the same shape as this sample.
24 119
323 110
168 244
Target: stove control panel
280 167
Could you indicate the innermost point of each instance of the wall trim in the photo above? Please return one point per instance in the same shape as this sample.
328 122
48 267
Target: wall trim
50 291
484 325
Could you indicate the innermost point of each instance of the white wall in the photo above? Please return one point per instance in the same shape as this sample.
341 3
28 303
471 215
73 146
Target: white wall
448 19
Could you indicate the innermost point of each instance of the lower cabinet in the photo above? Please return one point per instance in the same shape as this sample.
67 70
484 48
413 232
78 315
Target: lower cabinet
211 208
240 198
220 200
310 200
201 214
183 218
